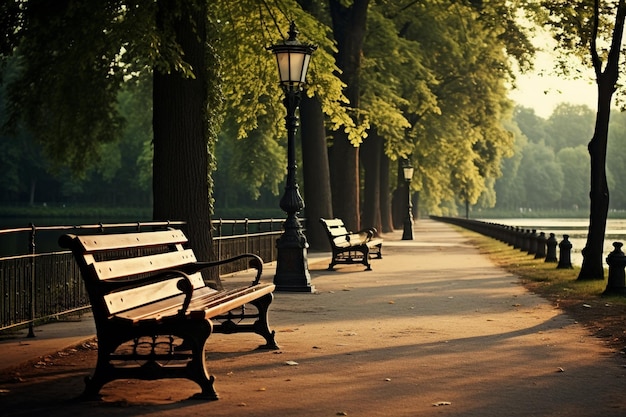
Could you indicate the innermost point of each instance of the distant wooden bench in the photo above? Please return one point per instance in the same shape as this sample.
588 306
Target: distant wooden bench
351 247
153 310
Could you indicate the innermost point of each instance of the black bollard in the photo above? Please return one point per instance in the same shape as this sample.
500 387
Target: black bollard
551 244
519 233
525 241
532 242
510 235
565 254
617 279
541 246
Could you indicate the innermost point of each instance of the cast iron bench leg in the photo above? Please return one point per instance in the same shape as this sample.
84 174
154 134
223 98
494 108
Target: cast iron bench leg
261 326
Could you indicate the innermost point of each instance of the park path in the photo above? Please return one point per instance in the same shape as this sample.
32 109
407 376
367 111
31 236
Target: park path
435 329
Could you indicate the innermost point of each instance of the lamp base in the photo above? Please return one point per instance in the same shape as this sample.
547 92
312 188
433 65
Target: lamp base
292 270
407 233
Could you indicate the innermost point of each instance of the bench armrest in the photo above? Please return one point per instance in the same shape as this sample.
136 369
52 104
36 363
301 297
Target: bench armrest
370 232
255 262
186 286
360 237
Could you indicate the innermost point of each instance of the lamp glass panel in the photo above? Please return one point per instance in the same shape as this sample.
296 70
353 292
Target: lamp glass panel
282 59
408 173
297 62
305 67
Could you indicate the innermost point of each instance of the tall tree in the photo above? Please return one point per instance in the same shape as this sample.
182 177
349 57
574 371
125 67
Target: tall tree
254 98
183 146
592 30
77 54
316 169
349 28
317 189
460 140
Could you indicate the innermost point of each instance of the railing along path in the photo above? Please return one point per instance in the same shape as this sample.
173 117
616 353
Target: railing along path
45 283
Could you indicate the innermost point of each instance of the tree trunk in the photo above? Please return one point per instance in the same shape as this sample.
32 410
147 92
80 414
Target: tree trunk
385 195
370 152
349 31
400 197
416 205
180 122
593 265
317 194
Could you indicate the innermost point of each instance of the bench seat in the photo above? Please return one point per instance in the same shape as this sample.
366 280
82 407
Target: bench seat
153 310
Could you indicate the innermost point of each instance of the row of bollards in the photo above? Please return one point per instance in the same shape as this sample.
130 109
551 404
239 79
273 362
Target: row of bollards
526 240
541 247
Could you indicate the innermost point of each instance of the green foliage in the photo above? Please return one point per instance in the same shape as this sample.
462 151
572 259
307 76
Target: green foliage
551 171
251 87
94 213
616 160
569 125
575 165
395 84
65 119
458 135
542 176
585 35
75 56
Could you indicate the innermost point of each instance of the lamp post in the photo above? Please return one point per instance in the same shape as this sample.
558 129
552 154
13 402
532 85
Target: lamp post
407 233
292 271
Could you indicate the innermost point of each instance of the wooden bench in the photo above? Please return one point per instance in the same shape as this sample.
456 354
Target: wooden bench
153 311
351 247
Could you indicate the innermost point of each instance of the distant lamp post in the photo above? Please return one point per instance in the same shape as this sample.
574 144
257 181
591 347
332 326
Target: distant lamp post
292 271
407 233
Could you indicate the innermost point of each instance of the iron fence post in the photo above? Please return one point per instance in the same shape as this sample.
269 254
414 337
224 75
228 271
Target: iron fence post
31 298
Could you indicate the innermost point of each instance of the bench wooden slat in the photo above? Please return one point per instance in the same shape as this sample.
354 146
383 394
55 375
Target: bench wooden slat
131 240
167 307
333 223
233 302
338 231
207 304
118 268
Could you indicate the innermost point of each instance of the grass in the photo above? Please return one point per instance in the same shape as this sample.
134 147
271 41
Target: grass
604 316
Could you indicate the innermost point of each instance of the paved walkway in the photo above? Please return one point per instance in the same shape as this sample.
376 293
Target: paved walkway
435 329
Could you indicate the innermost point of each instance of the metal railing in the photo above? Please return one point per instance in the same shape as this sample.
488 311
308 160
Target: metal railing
45 283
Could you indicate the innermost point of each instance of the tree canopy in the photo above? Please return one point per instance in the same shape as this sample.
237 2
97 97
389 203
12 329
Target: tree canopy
432 84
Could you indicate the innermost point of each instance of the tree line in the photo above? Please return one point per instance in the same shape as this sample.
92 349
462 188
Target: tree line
550 166
392 82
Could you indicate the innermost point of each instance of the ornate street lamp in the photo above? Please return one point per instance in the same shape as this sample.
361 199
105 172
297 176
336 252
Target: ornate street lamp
407 233
292 271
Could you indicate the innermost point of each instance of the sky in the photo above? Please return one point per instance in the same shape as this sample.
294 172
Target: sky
544 92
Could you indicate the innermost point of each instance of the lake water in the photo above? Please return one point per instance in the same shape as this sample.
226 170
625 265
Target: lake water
576 229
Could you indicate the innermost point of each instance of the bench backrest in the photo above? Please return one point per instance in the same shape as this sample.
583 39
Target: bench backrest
334 227
116 268
336 231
